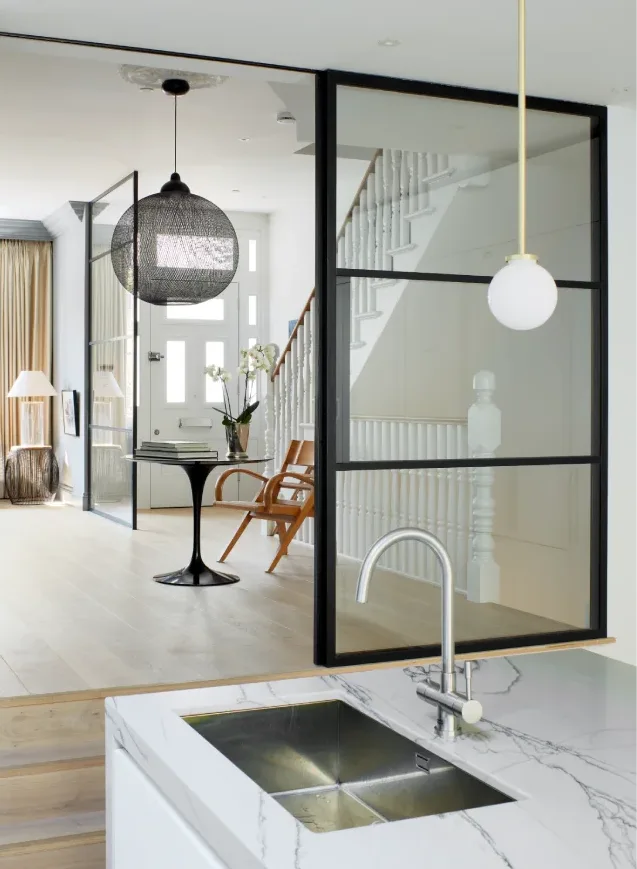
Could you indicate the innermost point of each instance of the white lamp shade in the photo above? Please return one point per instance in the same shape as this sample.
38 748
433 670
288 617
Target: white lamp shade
31 383
522 295
105 385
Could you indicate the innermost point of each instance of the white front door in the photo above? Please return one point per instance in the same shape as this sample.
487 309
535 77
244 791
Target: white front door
183 399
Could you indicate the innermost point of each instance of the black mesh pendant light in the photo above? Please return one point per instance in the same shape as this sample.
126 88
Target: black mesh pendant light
187 249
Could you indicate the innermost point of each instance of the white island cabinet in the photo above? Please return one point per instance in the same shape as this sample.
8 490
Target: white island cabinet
146 832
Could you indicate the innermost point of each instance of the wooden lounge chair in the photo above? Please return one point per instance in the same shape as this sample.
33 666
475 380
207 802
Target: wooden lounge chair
289 513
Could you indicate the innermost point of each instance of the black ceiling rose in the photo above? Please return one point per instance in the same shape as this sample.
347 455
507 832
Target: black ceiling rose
187 248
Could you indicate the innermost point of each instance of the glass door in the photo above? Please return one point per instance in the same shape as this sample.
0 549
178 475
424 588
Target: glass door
111 364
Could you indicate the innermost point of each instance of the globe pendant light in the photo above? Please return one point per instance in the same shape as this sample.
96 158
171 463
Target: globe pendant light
522 295
187 249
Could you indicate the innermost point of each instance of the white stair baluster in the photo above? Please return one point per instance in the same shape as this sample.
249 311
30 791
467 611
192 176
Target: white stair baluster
423 190
404 229
387 208
395 199
484 437
462 520
363 230
452 496
371 241
356 240
379 191
432 480
413 182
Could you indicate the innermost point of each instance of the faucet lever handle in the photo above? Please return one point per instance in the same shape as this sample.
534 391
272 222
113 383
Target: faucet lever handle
468 670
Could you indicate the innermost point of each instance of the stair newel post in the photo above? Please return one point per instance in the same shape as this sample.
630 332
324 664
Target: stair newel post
404 231
423 193
378 195
387 209
294 387
312 359
484 438
356 245
301 380
395 199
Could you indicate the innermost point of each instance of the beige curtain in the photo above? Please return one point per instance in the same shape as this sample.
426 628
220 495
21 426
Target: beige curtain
25 329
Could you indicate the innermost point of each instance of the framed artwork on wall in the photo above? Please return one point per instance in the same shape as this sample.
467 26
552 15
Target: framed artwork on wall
71 412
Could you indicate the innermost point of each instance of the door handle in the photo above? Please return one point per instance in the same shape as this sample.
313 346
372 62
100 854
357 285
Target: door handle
154 356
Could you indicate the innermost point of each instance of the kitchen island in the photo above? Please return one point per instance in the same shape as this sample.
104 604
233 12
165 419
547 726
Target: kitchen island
557 742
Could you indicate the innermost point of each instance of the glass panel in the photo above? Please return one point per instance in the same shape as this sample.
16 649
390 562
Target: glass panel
442 194
111 474
538 580
106 213
112 307
416 372
252 310
251 342
175 372
252 255
212 309
214 356
112 381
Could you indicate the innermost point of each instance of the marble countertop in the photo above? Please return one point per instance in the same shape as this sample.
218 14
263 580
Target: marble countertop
558 734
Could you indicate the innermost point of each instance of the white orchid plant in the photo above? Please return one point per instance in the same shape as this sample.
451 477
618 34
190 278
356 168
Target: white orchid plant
260 357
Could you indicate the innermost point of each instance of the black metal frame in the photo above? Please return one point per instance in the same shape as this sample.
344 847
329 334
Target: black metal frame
330 455
87 498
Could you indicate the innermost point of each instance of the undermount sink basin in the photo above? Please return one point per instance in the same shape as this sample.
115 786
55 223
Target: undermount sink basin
333 767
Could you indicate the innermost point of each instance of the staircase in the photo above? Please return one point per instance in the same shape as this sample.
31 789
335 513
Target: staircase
399 205
52 784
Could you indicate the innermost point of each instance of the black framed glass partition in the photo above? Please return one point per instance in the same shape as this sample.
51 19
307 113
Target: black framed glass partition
111 369
430 412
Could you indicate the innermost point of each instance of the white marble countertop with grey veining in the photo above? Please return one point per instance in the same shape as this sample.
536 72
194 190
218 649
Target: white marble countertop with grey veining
558 733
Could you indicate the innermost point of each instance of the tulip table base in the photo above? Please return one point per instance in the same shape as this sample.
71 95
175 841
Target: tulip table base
197 573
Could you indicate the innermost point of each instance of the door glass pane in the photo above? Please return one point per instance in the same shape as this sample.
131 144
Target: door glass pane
441 193
252 310
214 356
175 371
212 309
536 579
437 377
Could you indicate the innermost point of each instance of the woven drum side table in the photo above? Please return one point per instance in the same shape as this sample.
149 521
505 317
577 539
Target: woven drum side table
31 475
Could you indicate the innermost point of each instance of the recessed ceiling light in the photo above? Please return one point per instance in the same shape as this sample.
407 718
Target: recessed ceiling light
389 43
236 190
244 138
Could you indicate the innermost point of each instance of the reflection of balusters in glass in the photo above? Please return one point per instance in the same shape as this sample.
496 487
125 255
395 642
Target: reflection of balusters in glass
485 430
432 481
462 521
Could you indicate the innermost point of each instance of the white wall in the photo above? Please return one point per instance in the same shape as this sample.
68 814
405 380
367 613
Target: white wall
68 340
622 517
292 247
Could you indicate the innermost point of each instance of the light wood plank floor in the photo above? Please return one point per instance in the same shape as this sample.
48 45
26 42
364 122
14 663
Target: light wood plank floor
79 608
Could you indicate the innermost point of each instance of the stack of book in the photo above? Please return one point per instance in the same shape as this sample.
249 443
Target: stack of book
177 450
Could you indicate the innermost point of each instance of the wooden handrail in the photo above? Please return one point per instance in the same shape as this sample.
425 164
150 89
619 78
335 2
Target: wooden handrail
308 304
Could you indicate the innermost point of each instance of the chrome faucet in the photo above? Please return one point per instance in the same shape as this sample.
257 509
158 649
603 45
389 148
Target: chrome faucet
451 705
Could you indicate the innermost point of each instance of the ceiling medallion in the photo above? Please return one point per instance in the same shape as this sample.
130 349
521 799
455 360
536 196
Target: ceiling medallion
152 77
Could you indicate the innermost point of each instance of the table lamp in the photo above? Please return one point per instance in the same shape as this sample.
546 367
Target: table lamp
35 385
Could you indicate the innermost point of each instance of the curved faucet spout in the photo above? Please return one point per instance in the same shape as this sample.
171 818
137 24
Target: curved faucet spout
365 576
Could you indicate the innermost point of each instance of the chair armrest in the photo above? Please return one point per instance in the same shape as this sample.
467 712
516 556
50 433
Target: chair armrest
222 479
271 490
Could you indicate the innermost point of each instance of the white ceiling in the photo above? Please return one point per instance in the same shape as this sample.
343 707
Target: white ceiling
578 49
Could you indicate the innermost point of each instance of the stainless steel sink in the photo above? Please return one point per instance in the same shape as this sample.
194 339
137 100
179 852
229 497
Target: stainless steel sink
333 767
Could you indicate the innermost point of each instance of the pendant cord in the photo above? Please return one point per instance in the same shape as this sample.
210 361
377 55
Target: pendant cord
175 98
522 126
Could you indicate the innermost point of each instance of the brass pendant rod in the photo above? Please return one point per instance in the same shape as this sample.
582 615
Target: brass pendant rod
522 127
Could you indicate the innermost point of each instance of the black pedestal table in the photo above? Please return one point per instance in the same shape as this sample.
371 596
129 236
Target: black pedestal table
197 573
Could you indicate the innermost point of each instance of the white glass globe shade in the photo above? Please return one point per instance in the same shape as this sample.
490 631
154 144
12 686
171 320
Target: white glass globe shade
522 295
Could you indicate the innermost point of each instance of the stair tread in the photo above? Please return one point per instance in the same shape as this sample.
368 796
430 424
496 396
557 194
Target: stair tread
38 754
73 824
